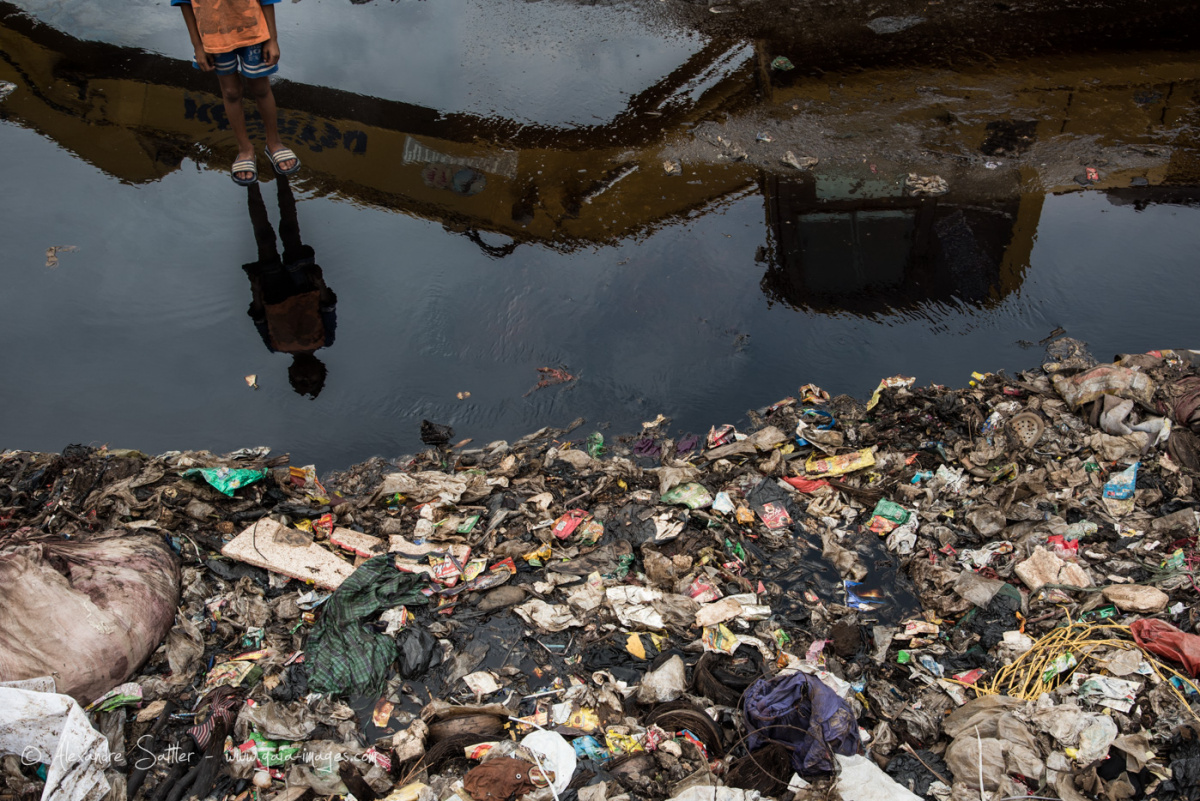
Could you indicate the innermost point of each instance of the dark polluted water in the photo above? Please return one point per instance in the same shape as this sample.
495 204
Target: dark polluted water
484 195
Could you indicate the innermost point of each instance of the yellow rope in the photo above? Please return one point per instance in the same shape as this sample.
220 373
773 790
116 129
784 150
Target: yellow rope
1023 678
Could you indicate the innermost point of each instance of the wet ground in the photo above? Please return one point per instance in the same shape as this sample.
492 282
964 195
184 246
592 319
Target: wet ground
486 190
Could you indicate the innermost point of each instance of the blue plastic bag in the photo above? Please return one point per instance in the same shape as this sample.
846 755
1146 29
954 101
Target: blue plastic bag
1120 487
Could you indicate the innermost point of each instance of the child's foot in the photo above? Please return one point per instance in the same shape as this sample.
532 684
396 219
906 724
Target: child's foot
245 177
285 161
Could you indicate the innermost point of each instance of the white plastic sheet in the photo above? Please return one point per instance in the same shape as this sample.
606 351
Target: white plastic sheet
52 729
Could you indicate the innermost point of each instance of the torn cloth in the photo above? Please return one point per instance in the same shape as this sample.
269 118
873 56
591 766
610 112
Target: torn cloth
344 656
806 716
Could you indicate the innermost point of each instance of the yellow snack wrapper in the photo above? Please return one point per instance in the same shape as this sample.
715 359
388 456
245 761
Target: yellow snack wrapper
895 382
827 466
720 639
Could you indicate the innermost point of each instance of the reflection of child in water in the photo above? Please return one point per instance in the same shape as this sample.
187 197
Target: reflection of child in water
455 177
292 308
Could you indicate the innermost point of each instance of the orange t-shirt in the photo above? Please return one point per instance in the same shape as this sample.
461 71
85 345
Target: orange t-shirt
226 25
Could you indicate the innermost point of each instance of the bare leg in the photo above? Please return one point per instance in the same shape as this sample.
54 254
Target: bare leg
260 90
231 93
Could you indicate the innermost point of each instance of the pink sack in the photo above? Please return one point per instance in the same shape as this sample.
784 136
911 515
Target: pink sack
1166 640
88 613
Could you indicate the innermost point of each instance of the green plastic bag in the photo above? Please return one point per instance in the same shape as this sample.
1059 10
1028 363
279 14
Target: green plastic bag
227 480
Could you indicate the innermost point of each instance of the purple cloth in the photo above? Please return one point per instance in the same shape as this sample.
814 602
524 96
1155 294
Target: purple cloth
800 712
687 444
646 446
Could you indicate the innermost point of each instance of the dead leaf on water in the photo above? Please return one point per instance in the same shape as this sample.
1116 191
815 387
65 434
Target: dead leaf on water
53 251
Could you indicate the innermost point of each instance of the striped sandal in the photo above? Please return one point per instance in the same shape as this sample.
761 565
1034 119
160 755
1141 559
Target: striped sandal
244 165
282 155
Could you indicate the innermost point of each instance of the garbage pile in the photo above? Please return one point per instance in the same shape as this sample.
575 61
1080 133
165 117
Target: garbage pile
976 593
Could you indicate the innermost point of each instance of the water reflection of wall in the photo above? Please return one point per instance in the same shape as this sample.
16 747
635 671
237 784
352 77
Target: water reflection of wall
861 244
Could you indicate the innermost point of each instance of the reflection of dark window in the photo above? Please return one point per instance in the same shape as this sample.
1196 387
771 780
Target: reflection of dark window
856 250
871 255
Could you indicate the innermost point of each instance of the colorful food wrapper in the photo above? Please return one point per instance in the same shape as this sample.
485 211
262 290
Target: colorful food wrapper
474 568
305 478
584 719
227 480
375 757
468 525
496 575
719 639
887 516
775 515
566 525
230 673
445 571
590 532
1121 486
703 590
828 466
720 435
691 495
541 777
541 717
382 712
538 555
269 753
479 750
620 744
1061 664
591 748
971 676
323 525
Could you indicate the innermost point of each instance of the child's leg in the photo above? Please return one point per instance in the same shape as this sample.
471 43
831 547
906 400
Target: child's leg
260 90
231 93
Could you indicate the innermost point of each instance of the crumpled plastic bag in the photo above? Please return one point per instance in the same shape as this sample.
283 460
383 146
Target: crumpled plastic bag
87 612
185 646
633 606
555 755
1106 379
801 712
861 779
276 721
665 683
547 617
417 650
430 485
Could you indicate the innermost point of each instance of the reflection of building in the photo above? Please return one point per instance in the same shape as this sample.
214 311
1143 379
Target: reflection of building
137 116
859 244
833 234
